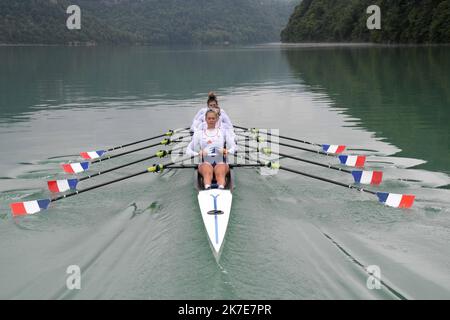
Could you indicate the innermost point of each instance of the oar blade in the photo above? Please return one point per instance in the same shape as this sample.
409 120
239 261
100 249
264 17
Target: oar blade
29 207
77 167
62 185
396 200
332 148
367 177
91 155
353 161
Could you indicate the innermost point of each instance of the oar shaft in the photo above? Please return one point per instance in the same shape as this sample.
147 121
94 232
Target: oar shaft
295 147
136 150
308 161
97 186
247 165
301 148
114 181
137 142
326 180
143 140
194 166
284 137
313 162
124 165
184 166
349 186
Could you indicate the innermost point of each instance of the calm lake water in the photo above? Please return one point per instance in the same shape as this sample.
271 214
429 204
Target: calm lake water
143 238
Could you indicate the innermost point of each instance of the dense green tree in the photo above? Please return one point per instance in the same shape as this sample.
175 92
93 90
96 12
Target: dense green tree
145 21
402 21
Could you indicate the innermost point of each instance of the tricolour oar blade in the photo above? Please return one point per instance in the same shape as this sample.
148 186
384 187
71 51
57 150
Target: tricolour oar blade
396 200
75 167
90 155
334 149
62 185
29 207
368 177
353 161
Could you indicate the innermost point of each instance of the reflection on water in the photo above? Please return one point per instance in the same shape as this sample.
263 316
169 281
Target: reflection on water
43 77
402 93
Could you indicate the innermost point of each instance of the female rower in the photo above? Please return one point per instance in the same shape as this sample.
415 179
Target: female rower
199 120
212 145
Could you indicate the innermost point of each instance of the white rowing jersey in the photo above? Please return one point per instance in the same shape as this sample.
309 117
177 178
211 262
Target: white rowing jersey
212 141
199 122
202 126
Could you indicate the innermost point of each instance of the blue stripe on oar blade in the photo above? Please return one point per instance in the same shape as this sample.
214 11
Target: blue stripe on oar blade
382 196
44 203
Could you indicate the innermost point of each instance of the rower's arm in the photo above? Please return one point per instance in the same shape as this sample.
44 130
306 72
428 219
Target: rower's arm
226 119
197 119
196 125
190 149
231 144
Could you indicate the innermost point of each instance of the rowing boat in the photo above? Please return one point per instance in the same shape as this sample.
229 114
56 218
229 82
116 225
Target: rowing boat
214 203
215 207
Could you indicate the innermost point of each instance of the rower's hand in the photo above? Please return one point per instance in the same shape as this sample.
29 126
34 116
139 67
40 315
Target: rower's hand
203 153
224 151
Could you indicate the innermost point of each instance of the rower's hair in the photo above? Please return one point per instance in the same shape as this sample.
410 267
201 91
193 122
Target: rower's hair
209 111
212 97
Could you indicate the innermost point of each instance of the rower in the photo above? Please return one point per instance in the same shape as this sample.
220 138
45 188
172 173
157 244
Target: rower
212 145
199 120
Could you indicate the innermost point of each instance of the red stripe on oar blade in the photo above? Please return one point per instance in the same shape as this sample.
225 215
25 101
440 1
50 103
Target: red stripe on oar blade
407 201
340 149
18 209
85 155
360 161
53 186
377 177
67 168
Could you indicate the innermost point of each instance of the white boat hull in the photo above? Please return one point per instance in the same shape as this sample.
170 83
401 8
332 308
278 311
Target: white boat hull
215 206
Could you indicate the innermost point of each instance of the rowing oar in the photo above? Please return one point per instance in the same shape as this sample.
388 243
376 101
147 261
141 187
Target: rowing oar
231 165
78 167
360 176
389 199
35 206
351 161
71 184
327 148
90 155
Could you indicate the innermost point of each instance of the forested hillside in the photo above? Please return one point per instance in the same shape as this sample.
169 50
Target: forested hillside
402 21
145 21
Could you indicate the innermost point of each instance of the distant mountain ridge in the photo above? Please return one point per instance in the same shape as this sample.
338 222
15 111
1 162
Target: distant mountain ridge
145 21
402 21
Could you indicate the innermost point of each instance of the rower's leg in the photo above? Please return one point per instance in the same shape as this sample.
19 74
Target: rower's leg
206 170
221 170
